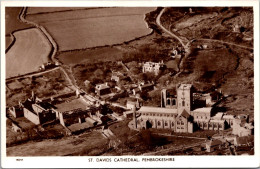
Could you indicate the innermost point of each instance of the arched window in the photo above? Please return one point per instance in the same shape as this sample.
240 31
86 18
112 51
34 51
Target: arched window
183 103
182 123
159 123
168 101
172 123
166 123
173 102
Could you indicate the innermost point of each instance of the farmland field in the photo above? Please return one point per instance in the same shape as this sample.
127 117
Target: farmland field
8 41
36 10
82 29
12 21
90 55
30 50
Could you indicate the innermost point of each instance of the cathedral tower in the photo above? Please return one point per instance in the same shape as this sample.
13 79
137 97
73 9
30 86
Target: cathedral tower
184 98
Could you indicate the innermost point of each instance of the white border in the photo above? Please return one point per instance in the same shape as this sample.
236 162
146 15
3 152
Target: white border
180 161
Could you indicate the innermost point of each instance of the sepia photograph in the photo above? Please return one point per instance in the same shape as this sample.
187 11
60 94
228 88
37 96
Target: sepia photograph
129 83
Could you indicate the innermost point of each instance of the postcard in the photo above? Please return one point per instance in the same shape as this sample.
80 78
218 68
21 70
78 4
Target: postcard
128 84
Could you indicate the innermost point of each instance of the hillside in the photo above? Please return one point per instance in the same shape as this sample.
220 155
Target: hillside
221 52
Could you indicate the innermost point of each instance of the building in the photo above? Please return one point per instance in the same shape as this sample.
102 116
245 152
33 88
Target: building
213 145
143 88
117 77
241 127
16 111
244 141
102 89
178 114
38 112
153 67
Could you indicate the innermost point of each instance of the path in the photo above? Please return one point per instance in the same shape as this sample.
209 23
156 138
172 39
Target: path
229 43
31 74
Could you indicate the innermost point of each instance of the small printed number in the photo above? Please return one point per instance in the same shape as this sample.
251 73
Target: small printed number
19 159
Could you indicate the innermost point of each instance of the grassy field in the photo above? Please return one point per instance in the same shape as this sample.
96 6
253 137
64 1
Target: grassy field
90 55
86 144
98 27
30 50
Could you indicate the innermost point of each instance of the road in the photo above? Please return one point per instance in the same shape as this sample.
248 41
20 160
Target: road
158 22
186 47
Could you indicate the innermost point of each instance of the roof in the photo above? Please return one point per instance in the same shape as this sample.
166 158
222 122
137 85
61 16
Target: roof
202 120
228 117
80 126
217 121
136 89
171 92
128 112
45 105
147 109
147 85
101 86
203 110
185 86
245 139
185 114
218 116
212 143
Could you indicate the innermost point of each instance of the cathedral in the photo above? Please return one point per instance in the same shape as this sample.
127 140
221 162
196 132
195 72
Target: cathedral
179 113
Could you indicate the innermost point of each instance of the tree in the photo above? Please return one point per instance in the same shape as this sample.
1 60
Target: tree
99 73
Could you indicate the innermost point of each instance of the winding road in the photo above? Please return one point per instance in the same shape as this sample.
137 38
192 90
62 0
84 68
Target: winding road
186 46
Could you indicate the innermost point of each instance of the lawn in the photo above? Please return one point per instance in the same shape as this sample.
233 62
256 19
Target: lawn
30 50
87 29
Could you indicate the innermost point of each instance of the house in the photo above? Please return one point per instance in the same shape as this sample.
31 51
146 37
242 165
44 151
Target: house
213 145
143 88
16 111
117 76
244 141
153 67
102 89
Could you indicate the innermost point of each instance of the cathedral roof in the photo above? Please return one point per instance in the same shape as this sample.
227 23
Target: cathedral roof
147 109
185 114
